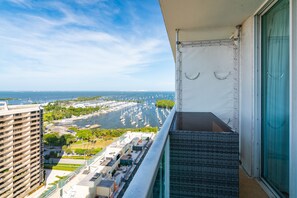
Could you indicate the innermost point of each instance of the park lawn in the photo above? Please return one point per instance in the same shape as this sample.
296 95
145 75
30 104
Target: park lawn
78 157
100 143
63 167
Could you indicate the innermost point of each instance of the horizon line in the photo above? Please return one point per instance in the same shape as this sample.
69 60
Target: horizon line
87 90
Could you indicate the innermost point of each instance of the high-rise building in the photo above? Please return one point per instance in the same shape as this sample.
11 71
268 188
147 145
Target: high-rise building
21 149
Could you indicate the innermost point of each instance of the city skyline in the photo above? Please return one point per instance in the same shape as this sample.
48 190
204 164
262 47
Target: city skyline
84 45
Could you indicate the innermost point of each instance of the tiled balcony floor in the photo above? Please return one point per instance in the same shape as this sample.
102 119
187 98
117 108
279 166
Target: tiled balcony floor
249 187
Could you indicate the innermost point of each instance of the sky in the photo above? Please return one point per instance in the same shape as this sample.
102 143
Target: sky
84 45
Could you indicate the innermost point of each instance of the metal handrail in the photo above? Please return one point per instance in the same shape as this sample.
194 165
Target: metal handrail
143 181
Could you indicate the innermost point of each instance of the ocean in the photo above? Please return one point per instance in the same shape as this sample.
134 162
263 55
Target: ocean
150 114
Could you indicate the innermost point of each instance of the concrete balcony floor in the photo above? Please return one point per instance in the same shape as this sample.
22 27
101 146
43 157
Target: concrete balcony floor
249 187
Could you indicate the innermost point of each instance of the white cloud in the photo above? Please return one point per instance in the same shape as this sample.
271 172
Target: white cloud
26 3
53 51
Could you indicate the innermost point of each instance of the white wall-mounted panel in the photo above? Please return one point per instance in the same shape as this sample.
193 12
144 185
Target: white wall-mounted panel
207 79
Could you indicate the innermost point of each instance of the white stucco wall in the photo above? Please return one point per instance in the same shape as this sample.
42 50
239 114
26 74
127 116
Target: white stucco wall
246 99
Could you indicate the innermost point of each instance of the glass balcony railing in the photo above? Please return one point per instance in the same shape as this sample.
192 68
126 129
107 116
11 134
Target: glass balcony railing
152 177
195 154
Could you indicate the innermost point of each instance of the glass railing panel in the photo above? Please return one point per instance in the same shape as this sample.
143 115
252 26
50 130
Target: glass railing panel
152 177
161 184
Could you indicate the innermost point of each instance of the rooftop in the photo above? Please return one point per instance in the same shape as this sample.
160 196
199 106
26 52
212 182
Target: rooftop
6 109
89 179
111 163
106 183
126 157
141 143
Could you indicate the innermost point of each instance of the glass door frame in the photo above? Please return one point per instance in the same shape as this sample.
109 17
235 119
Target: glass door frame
257 151
293 98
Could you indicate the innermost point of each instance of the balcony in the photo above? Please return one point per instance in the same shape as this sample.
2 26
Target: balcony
20 125
21 167
6 124
37 126
35 133
21 192
21 181
6 148
21 120
21 159
5 140
4 178
5 129
21 175
6 167
34 183
37 113
6 161
5 184
36 140
6 191
35 155
35 161
36 119
21 150
25 154
160 166
7 194
22 135
6 118
34 169
35 178
21 142
21 115
21 130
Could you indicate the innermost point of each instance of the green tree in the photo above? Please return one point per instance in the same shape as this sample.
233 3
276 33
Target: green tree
85 134
80 151
165 104
67 139
52 139
67 150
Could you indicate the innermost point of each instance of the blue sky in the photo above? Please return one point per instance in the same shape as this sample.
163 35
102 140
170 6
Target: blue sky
84 45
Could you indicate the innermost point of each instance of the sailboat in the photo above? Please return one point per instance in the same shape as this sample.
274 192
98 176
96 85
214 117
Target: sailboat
147 124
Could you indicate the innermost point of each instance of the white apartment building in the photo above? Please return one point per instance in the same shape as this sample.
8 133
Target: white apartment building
21 149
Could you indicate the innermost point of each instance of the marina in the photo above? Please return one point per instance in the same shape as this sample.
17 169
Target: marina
139 115
125 109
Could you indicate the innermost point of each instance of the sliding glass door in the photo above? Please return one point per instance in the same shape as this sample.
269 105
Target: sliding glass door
275 96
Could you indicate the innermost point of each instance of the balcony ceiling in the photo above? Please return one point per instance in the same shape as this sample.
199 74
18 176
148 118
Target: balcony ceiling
205 19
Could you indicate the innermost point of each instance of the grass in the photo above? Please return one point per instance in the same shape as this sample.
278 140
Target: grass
54 183
60 177
63 167
100 143
57 181
78 157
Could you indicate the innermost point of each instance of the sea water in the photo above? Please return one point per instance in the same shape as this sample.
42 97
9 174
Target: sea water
150 114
